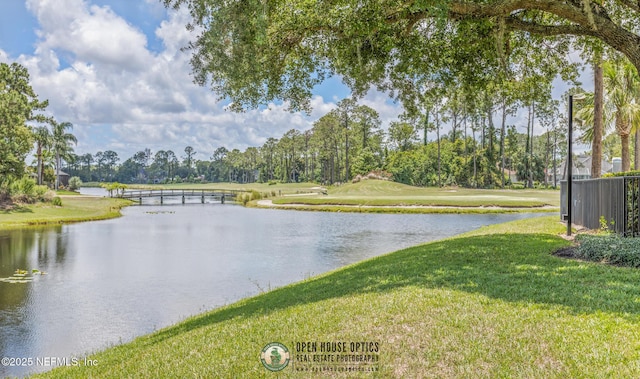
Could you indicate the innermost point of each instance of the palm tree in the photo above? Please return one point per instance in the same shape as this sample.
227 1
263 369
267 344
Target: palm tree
620 109
62 145
87 159
585 117
43 141
622 85
598 117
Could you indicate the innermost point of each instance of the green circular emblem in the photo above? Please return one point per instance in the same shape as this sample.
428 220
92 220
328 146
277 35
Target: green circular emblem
275 356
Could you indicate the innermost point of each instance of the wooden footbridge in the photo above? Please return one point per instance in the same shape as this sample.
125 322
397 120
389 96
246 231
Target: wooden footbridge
162 194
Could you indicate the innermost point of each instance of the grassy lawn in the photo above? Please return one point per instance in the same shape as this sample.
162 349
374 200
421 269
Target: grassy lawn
490 303
74 208
66 192
383 193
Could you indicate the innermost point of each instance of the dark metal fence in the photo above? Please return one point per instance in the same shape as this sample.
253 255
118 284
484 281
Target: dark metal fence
613 200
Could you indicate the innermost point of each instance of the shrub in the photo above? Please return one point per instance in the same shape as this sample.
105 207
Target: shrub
74 183
48 194
623 173
43 193
26 190
255 195
609 248
57 201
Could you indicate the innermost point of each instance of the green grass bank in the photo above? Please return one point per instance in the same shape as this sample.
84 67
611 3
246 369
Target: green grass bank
491 303
74 208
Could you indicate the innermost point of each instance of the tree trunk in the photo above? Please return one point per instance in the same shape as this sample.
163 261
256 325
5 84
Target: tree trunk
346 151
490 156
466 151
636 159
502 134
475 147
546 159
426 126
39 153
57 185
555 143
527 161
438 137
533 115
626 161
598 120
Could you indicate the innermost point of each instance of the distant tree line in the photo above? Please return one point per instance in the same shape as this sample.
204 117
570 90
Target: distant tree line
349 141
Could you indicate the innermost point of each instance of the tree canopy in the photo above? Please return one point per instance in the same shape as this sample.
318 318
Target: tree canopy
18 104
255 51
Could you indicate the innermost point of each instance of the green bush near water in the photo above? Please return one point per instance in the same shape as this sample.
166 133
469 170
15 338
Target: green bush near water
255 195
244 198
74 183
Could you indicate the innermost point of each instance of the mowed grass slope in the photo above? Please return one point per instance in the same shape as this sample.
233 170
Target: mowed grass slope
385 193
494 303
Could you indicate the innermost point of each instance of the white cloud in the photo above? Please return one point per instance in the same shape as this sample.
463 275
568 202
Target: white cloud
90 34
173 32
98 73
387 110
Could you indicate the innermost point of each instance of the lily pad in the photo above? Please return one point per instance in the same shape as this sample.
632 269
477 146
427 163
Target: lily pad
13 279
22 276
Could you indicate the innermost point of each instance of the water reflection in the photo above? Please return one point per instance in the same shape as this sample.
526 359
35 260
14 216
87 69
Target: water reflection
110 281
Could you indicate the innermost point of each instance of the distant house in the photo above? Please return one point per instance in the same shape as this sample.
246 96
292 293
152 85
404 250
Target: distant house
64 179
581 169
511 174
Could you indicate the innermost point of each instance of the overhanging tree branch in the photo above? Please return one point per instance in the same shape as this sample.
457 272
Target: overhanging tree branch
547 30
254 52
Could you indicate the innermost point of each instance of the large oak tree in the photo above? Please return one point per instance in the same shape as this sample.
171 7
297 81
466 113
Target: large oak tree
255 51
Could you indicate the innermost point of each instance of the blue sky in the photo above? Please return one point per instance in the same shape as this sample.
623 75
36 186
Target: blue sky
114 69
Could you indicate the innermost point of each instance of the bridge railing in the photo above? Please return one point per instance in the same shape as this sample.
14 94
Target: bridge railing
134 194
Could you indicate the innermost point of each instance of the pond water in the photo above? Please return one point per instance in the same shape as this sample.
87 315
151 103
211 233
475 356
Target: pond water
110 281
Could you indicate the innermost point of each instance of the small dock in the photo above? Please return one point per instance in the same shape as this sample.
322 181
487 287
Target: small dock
183 194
